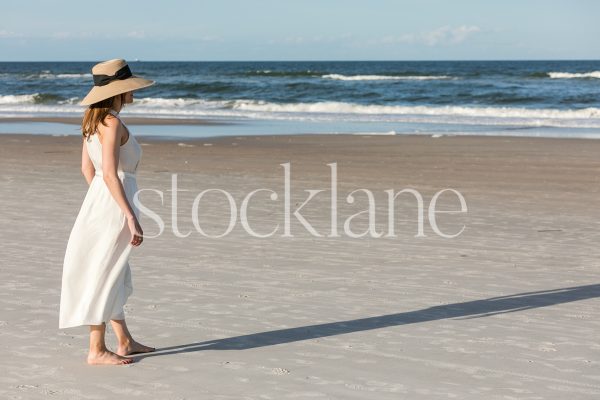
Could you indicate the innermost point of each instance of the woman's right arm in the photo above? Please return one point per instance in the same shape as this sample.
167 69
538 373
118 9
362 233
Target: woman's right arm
111 145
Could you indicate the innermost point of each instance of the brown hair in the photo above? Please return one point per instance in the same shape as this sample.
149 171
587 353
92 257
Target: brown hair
96 113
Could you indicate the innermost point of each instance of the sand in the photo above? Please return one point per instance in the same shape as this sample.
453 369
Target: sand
507 310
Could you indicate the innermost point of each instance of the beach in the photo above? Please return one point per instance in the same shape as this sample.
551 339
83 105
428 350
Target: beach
508 309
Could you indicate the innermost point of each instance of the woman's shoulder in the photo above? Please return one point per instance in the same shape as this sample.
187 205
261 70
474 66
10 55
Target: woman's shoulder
111 119
110 123
112 126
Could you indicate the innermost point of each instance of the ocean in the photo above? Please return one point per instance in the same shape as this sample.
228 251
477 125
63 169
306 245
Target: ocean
522 98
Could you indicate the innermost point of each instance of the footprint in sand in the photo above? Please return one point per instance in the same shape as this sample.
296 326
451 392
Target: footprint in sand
280 371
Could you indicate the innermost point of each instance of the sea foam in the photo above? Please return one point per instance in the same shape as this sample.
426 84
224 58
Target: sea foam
18 99
351 108
323 111
577 75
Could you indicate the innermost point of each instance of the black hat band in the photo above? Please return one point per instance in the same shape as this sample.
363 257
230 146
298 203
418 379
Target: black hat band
102 80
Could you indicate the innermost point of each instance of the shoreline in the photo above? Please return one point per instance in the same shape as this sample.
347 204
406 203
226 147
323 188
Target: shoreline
320 136
130 120
172 128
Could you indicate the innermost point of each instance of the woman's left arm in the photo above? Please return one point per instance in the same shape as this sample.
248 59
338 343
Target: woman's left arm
87 167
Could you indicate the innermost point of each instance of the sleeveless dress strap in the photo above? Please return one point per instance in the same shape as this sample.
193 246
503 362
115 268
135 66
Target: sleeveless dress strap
114 113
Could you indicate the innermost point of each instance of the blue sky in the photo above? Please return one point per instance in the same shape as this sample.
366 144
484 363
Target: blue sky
299 30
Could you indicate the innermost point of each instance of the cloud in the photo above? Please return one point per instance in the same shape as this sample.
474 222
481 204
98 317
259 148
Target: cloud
299 40
136 34
450 35
61 35
209 38
4 34
445 35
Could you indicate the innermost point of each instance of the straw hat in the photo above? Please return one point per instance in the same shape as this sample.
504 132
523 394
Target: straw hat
111 78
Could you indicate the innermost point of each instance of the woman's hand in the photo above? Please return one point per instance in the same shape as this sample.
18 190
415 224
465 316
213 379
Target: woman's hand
137 235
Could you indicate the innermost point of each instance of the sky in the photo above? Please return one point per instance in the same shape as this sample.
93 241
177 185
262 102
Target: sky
268 30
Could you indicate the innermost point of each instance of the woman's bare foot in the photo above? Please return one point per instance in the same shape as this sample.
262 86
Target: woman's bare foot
133 347
108 358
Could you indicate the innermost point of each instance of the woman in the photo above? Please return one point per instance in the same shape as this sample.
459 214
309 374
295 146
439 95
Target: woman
96 280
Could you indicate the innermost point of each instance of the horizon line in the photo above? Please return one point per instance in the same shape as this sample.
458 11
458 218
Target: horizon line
316 60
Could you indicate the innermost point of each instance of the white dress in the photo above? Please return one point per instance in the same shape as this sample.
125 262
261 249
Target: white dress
96 279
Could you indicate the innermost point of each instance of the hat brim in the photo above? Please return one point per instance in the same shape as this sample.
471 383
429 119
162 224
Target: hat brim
99 93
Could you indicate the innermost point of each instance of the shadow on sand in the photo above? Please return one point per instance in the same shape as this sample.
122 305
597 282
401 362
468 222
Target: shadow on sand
466 310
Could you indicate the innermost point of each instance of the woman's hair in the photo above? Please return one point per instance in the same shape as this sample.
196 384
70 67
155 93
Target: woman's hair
96 113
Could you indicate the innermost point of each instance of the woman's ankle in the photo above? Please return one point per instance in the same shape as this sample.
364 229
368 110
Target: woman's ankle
97 350
125 342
